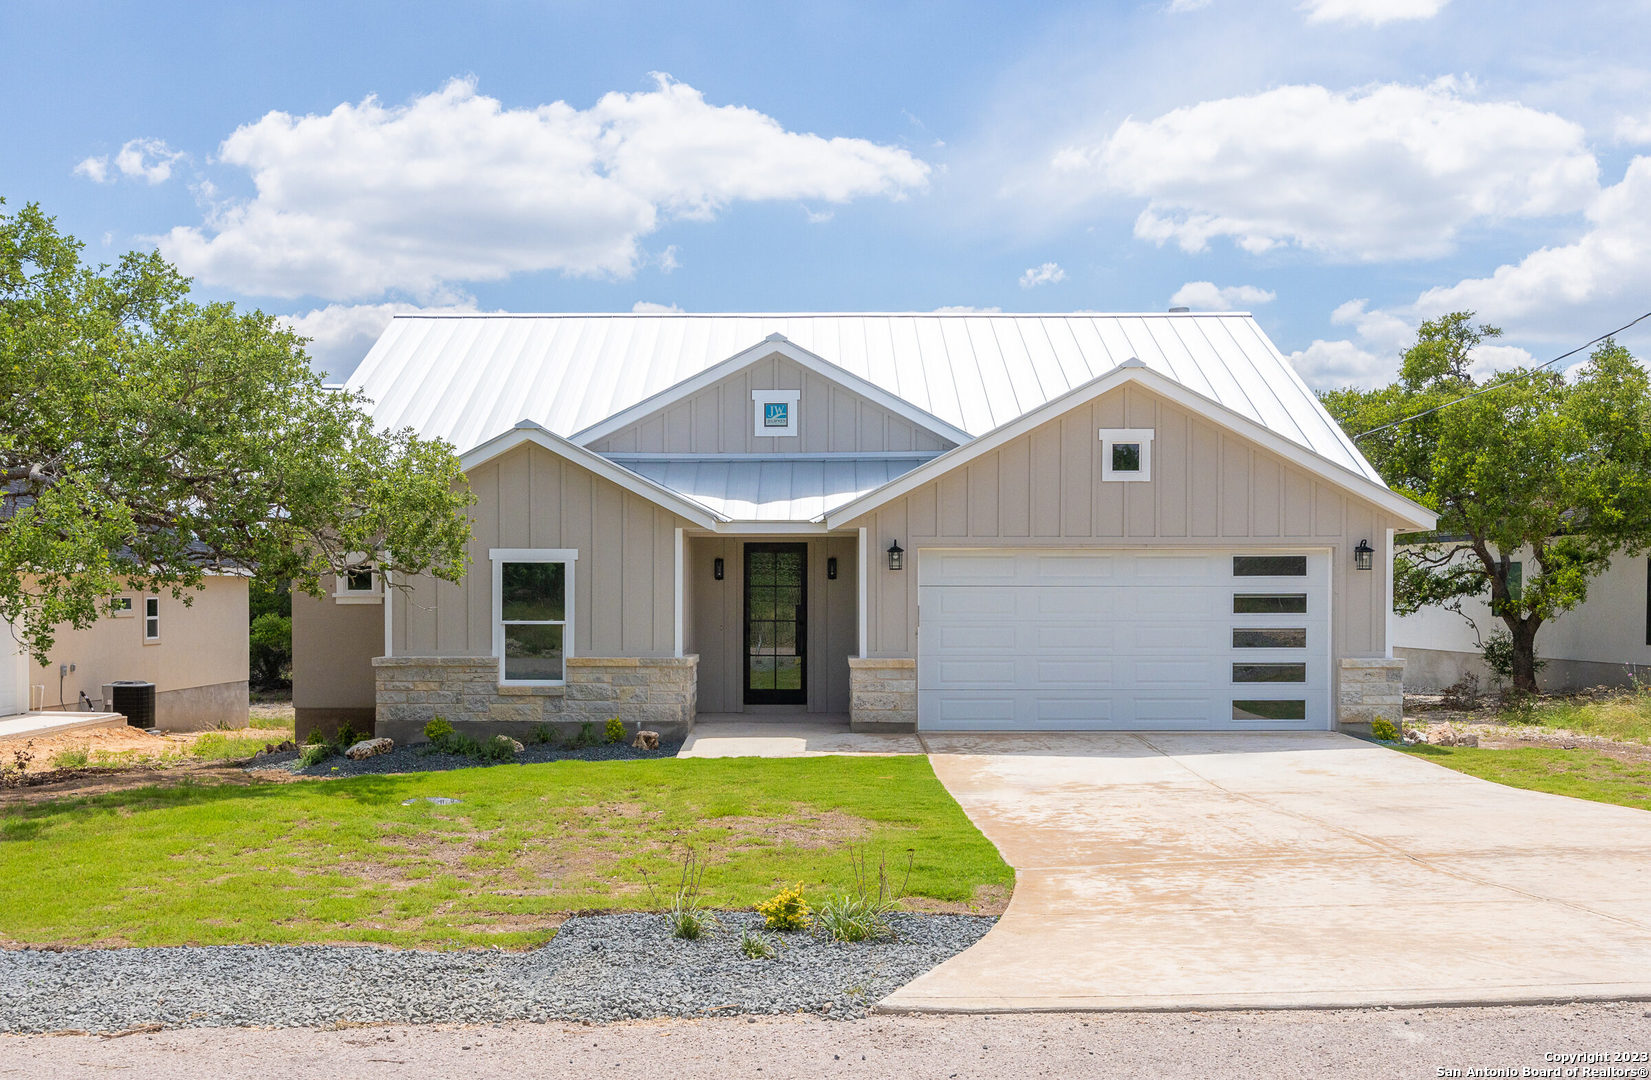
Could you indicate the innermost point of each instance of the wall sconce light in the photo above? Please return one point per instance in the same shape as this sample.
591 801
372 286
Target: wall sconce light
716 569
1362 555
831 568
897 556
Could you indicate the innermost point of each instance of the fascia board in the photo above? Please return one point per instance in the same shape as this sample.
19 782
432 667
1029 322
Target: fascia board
528 432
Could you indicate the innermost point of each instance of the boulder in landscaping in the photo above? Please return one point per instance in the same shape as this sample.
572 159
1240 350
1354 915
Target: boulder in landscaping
646 740
367 748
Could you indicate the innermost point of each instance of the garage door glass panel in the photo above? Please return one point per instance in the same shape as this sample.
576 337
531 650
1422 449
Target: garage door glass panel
1279 709
1245 673
1269 566
1284 637
1270 604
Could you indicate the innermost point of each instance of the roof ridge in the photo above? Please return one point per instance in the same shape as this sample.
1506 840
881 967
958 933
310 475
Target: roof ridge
821 314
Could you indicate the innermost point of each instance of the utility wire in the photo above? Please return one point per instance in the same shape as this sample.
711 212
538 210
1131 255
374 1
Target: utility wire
1500 385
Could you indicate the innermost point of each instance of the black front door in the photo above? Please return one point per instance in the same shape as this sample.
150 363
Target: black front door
776 618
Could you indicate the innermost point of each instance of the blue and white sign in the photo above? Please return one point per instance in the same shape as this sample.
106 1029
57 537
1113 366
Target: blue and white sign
776 414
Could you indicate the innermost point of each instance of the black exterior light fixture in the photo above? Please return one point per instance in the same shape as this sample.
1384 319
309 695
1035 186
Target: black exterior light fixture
831 568
897 556
1362 555
716 569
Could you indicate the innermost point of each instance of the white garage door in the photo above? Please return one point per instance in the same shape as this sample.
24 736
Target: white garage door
1121 639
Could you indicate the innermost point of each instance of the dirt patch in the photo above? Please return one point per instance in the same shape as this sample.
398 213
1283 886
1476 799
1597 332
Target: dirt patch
987 900
84 783
809 830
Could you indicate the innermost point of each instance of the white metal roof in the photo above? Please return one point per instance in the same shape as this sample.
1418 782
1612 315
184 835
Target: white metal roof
773 489
467 378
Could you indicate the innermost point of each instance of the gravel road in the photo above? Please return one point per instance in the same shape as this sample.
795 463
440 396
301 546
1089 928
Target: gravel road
597 968
1275 1045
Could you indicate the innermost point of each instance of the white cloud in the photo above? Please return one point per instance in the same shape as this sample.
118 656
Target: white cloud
818 217
455 187
1370 12
1373 359
1207 296
1047 274
648 307
1635 130
341 334
1176 7
138 159
966 309
1383 172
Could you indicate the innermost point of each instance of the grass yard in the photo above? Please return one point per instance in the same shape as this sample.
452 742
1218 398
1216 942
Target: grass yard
345 861
1580 773
1624 717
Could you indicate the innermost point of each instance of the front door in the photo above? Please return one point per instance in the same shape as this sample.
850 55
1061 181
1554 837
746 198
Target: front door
776 619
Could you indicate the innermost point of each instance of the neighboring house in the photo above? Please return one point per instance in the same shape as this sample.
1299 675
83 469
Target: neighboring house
952 522
1604 641
196 655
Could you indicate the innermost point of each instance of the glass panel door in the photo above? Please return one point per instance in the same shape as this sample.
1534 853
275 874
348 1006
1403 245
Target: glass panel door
776 618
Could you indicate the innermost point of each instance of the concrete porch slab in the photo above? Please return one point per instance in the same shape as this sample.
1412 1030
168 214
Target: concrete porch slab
733 735
37 725
1288 870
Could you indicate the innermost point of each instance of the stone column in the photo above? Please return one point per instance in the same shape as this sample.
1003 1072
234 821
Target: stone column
882 694
1369 689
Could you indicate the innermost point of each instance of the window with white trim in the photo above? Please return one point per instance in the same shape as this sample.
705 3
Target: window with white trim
774 412
1126 454
533 614
360 583
151 620
121 607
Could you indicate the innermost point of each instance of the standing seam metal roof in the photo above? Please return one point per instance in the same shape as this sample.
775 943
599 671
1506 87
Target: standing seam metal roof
467 378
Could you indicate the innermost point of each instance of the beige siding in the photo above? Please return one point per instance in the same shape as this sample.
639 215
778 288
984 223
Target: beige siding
718 419
717 630
333 646
202 643
1208 487
624 598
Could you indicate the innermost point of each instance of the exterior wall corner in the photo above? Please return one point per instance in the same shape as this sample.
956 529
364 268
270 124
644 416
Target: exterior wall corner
1369 689
882 694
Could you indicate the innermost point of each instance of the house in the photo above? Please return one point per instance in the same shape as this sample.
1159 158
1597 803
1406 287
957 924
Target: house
195 654
941 521
1604 641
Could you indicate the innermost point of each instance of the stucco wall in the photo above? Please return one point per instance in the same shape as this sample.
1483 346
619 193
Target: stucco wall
202 644
333 646
716 629
624 579
719 419
1208 487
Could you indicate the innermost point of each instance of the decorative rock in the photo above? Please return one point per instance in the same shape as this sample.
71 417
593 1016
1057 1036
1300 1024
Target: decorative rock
515 747
367 748
1449 735
645 740
281 747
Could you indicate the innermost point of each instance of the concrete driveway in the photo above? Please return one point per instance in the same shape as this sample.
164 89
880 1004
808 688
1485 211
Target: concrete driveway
1287 870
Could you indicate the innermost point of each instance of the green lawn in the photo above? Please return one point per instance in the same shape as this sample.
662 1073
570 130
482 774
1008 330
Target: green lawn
1623 718
1582 774
344 860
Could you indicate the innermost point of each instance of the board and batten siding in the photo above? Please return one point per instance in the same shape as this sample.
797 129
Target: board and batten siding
531 498
1208 487
718 419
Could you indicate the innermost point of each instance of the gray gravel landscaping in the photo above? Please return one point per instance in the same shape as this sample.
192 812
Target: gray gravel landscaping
406 759
599 968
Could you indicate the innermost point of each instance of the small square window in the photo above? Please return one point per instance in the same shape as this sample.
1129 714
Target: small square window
1126 454
360 583
774 412
121 607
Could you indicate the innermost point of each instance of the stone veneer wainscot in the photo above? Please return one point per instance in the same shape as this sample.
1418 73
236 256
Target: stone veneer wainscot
1369 689
657 693
882 694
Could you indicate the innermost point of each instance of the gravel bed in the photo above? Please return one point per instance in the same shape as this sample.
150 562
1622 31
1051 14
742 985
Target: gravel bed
598 968
405 759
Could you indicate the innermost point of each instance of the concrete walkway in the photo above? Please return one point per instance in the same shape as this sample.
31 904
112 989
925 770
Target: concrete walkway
785 736
1285 870
40 725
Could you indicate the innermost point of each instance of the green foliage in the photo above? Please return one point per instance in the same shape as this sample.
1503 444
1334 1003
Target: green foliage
755 946
437 729
614 731
786 910
1580 773
1552 469
314 753
73 758
346 736
149 439
861 913
543 735
586 737
316 737
270 642
1383 730
687 916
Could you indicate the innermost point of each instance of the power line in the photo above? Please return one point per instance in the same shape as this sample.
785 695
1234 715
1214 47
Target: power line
1500 385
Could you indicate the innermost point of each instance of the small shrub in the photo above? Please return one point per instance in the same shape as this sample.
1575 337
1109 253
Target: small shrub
15 773
315 738
687 917
786 910
862 914
346 736
1383 730
543 735
757 947
614 731
437 730
71 759
586 736
314 754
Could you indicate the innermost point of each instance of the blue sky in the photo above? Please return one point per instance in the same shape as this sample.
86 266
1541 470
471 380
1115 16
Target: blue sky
1343 168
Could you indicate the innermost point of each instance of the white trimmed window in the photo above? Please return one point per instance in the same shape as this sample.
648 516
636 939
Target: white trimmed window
360 584
121 607
774 412
533 614
151 620
1126 454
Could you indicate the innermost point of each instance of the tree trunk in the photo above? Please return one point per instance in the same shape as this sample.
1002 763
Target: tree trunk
1524 652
